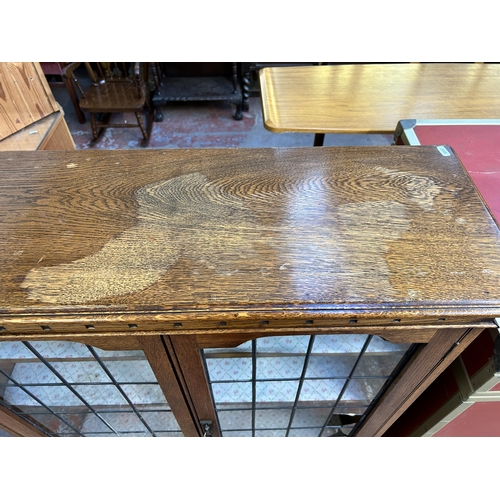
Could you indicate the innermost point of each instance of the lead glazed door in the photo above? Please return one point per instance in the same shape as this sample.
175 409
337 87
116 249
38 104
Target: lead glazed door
308 384
280 386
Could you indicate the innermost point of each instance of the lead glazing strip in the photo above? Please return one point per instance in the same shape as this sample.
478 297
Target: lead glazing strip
23 416
301 382
346 383
68 386
122 392
39 401
402 362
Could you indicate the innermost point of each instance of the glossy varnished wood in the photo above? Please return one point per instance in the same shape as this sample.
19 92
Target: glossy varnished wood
102 241
191 364
115 88
171 382
214 338
25 96
374 97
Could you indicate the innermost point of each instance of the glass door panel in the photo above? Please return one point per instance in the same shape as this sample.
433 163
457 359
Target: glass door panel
319 385
70 389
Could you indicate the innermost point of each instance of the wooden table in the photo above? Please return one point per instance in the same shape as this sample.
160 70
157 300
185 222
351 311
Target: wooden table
173 251
476 142
372 98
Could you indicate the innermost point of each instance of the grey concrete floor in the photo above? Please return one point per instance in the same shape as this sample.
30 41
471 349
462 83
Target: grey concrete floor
203 125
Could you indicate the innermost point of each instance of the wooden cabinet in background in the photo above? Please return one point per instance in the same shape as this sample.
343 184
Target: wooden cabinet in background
30 117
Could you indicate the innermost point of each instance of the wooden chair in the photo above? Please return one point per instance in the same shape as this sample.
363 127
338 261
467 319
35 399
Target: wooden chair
115 88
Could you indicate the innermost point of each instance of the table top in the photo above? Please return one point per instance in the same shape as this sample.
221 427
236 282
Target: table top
476 143
365 232
372 98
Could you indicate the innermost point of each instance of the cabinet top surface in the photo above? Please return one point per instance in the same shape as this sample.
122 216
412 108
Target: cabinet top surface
363 230
365 98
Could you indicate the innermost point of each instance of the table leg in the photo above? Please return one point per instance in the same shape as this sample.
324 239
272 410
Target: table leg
319 139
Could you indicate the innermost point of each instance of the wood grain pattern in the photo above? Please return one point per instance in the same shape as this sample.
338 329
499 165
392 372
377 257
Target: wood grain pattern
187 352
122 339
168 378
245 236
107 343
25 96
372 98
48 134
59 137
30 137
235 338
51 326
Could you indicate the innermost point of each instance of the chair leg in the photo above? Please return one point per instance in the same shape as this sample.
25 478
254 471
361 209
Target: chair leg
150 121
98 132
74 99
143 129
94 127
319 139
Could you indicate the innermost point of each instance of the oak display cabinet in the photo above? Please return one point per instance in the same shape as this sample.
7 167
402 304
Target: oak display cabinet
236 292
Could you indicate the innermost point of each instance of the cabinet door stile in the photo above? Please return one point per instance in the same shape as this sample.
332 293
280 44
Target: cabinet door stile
427 364
17 426
188 354
170 381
